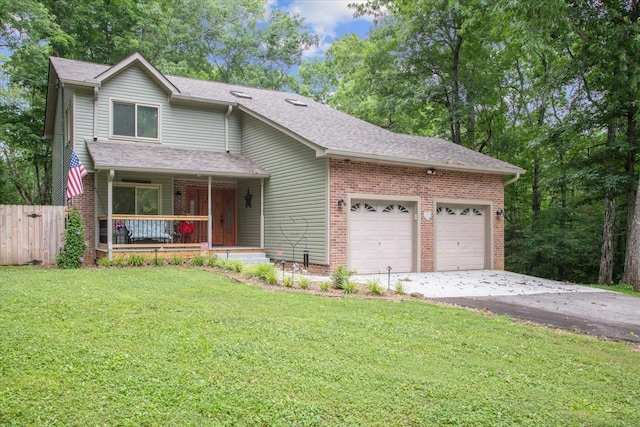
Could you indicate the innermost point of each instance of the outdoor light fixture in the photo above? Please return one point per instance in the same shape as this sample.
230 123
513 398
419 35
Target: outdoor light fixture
431 171
500 212
178 193
341 203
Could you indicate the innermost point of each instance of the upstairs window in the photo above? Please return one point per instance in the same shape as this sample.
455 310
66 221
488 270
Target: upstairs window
135 120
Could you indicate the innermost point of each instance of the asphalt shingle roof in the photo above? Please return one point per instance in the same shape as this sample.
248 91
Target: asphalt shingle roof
328 130
155 157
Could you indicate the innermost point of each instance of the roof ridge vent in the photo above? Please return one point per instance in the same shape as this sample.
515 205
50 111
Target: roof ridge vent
240 94
296 102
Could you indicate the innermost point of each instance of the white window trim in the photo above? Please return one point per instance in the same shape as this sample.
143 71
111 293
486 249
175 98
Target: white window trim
135 126
136 186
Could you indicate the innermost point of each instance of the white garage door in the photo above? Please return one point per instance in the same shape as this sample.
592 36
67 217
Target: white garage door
381 235
460 238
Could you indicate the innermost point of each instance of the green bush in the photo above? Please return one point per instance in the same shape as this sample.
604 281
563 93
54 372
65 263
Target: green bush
272 278
288 282
213 261
137 260
340 277
104 262
374 287
75 242
304 282
261 271
158 262
324 286
198 261
399 288
176 260
120 262
350 287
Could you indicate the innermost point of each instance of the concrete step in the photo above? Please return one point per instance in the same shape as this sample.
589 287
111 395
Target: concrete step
247 257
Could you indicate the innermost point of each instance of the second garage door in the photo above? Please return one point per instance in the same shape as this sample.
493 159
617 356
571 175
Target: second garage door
381 235
460 238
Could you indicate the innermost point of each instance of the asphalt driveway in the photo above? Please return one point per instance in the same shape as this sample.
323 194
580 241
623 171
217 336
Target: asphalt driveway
547 302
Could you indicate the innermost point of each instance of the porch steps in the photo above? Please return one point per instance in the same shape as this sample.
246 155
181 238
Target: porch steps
246 257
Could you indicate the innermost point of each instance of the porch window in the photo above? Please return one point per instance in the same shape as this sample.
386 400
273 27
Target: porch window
136 200
135 120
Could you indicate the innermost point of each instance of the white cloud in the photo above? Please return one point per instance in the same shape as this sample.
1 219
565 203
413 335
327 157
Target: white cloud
323 17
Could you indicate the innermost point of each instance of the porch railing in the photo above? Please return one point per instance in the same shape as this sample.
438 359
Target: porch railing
147 230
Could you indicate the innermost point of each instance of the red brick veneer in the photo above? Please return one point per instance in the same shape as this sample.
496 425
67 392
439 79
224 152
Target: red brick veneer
349 177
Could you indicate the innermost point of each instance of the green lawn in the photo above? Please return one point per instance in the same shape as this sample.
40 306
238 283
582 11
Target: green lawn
174 346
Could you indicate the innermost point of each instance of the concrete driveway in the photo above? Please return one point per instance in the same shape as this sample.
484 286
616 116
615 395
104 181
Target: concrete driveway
566 306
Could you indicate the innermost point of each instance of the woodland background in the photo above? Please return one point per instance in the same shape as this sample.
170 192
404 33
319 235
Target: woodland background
551 86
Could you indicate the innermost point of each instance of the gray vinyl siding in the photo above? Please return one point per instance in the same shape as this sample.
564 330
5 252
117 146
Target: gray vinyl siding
296 189
166 183
248 217
83 126
180 125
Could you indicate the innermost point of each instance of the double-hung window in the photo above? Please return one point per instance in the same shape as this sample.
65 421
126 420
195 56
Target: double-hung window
134 120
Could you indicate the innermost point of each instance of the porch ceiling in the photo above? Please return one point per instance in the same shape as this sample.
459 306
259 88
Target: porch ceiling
153 157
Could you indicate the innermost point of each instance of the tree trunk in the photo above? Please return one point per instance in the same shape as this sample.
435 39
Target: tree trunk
632 260
631 274
605 277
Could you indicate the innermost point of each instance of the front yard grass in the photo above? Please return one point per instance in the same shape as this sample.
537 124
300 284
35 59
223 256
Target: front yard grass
180 346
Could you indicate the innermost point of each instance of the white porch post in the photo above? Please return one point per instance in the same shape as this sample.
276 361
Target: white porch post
110 214
262 213
210 215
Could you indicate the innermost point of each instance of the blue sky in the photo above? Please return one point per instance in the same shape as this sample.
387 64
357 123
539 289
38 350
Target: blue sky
329 19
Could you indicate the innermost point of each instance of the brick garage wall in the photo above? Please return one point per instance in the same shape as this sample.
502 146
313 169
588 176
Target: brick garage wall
348 177
85 203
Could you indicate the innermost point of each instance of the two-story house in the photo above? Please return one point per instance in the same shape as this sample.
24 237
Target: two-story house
179 165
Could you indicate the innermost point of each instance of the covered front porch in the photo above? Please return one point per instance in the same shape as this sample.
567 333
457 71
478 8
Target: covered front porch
164 211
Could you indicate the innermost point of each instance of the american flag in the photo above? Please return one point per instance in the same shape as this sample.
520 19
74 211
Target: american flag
76 173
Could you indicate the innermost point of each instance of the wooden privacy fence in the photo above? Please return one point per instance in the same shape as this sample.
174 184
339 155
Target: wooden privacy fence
30 234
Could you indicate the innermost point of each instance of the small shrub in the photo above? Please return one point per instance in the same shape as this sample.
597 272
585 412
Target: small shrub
374 287
304 282
158 262
262 271
340 277
288 282
213 261
324 286
233 265
137 260
75 243
271 278
350 287
120 262
176 260
399 288
198 261
104 262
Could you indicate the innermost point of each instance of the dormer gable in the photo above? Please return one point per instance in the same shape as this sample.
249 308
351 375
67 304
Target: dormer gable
139 60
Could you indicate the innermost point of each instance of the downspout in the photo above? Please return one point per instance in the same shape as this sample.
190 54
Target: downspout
110 214
226 128
262 213
95 113
512 180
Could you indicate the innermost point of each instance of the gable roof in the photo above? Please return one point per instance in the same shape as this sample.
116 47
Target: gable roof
328 131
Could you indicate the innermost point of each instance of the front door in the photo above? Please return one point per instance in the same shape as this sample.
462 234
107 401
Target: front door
223 215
